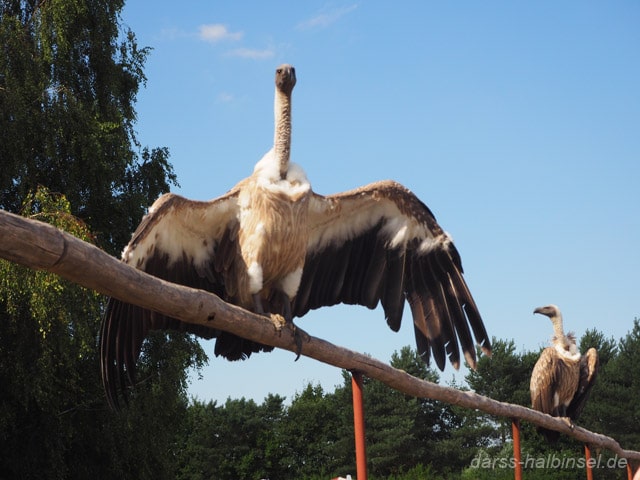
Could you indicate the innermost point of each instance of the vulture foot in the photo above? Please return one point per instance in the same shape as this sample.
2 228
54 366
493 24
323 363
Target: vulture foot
278 321
298 336
569 422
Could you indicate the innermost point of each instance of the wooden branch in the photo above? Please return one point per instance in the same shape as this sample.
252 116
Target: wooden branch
41 246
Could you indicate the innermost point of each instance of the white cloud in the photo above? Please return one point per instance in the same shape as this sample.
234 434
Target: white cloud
251 53
324 19
224 97
216 32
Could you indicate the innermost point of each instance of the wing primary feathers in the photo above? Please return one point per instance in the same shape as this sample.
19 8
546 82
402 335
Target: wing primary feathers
114 352
440 320
422 344
433 325
477 326
321 284
393 288
450 309
354 278
428 319
336 282
374 274
451 283
422 340
451 345
128 350
471 311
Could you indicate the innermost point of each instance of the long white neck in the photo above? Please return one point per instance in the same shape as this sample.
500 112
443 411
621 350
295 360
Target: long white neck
563 344
558 329
282 134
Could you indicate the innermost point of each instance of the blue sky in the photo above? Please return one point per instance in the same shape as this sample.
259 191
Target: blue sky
517 123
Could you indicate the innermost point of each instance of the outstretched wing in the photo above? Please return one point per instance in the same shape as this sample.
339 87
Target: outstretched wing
182 241
380 243
589 365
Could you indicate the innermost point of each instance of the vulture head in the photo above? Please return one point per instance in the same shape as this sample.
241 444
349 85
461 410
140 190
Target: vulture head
551 311
560 340
285 78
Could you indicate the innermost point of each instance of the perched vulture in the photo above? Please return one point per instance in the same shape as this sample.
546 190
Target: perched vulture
562 378
273 246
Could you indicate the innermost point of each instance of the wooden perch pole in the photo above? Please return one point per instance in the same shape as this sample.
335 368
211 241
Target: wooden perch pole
41 246
357 386
515 431
587 455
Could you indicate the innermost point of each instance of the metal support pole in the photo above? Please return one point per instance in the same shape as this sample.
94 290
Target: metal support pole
515 429
587 454
358 424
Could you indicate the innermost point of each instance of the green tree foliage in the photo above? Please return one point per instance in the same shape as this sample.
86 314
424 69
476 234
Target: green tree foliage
53 416
237 440
614 405
597 408
313 437
389 421
504 377
454 444
407 438
310 434
69 76
47 348
68 83
607 347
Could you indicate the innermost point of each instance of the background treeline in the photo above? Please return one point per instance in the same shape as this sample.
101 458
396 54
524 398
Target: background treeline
409 438
69 76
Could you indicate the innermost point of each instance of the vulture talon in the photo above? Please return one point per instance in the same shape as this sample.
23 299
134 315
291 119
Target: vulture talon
569 422
298 334
278 322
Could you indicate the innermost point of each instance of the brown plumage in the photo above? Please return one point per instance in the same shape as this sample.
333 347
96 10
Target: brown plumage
272 245
562 378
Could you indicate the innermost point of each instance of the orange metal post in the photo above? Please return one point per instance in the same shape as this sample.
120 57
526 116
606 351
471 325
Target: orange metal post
515 429
358 424
587 454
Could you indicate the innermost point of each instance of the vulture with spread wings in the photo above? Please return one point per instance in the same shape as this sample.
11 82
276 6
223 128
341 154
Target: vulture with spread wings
273 246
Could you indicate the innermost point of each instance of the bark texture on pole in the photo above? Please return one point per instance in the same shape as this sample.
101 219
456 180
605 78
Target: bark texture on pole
41 246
